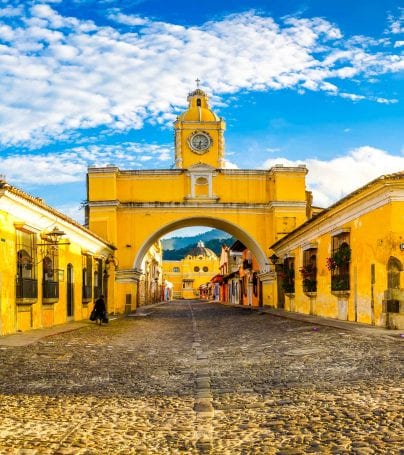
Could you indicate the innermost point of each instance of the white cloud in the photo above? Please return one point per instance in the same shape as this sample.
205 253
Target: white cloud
117 16
229 165
61 74
74 211
332 179
71 165
396 23
11 11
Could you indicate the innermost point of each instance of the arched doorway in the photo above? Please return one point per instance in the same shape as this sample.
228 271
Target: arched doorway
393 303
70 292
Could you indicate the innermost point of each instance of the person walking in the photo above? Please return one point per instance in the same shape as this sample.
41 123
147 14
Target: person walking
100 310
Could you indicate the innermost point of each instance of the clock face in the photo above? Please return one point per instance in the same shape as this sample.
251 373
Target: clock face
200 142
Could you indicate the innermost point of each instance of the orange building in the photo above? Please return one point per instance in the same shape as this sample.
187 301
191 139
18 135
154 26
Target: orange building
239 268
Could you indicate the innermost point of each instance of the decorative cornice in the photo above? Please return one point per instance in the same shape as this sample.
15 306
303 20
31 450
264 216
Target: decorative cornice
280 168
103 170
128 275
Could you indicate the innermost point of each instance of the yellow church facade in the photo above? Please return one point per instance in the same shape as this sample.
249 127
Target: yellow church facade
348 262
188 274
132 209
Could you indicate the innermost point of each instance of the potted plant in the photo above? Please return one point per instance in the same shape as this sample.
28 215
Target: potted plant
309 272
338 264
288 280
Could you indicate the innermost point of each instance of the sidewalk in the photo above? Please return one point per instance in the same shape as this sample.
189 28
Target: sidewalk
365 329
33 336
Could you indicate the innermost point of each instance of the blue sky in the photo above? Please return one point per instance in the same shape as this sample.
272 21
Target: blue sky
90 83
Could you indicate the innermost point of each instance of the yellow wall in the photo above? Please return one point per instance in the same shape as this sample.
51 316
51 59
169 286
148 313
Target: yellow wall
186 268
375 223
19 211
134 208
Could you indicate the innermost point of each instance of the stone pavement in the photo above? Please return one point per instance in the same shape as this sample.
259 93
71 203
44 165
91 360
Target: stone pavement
193 377
318 320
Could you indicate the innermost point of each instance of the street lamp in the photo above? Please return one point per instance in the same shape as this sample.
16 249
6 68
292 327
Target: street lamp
274 259
51 241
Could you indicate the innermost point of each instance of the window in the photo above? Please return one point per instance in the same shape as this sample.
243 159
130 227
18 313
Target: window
176 269
206 269
26 281
309 270
198 102
339 262
97 283
288 275
394 267
87 273
187 284
196 269
50 279
255 284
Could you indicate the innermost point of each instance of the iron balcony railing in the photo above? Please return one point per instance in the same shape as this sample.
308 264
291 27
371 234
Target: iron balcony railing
340 281
97 292
87 292
26 288
50 289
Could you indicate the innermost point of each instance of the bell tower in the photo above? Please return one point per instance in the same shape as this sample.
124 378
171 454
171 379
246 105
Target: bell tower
199 134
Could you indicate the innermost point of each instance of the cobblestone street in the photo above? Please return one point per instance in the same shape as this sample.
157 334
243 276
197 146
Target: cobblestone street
194 377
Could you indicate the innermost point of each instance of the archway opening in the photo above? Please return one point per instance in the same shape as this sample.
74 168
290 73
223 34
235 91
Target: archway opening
226 268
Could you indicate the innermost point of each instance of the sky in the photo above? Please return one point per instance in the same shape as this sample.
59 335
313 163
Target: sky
94 83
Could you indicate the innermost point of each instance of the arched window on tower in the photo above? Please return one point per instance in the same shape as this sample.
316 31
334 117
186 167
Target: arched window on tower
198 102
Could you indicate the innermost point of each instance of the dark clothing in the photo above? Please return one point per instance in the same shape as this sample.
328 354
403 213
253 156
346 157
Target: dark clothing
99 308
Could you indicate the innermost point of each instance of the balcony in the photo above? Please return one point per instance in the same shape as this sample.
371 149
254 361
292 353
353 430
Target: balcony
340 282
26 290
87 293
50 291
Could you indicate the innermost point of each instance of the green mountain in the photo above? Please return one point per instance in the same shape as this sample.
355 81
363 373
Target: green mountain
213 239
176 243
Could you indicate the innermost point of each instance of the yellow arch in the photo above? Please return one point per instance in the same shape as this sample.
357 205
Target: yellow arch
218 223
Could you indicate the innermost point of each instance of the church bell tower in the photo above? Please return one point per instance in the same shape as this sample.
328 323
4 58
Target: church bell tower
199 134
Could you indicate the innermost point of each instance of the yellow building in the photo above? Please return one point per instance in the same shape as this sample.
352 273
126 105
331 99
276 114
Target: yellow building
132 209
188 274
150 283
51 267
348 261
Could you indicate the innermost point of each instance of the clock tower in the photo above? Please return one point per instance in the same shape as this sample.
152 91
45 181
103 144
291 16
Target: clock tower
199 134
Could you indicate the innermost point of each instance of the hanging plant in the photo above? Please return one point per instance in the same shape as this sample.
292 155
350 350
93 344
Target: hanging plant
340 258
330 264
288 280
343 255
309 281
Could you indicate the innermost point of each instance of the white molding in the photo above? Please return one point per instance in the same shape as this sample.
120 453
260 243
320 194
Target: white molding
341 230
309 245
